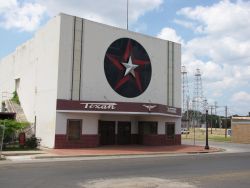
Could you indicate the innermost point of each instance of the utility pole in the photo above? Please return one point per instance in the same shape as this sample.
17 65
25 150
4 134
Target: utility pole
220 126
188 125
215 106
215 112
211 119
194 117
226 122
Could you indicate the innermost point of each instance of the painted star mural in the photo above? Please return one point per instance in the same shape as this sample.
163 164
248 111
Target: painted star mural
127 67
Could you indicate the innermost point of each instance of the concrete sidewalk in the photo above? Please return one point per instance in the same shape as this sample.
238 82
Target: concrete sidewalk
107 151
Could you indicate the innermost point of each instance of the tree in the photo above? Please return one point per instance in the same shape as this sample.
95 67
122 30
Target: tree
12 128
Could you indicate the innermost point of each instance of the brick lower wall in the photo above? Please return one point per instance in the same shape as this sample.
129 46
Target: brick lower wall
86 141
89 141
161 140
177 139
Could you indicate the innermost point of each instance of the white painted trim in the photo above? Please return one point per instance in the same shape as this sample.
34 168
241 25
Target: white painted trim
108 112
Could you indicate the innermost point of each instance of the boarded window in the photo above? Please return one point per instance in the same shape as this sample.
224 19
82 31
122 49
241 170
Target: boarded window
74 129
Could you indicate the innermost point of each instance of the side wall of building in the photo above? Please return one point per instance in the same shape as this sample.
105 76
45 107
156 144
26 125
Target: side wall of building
7 74
33 71
241 132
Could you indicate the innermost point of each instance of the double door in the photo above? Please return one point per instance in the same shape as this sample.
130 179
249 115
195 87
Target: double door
106 131
108 136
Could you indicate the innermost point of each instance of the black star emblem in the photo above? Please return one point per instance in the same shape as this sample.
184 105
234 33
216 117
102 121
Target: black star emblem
127 67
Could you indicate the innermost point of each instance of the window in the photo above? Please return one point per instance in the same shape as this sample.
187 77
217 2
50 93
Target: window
74 129
147 127
170 130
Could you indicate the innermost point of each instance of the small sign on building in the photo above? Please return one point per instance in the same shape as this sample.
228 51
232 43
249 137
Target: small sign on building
22 139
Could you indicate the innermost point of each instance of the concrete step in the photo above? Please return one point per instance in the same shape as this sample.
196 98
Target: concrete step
16 108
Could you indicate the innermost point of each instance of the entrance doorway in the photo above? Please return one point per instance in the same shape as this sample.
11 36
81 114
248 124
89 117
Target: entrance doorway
124 132
106 131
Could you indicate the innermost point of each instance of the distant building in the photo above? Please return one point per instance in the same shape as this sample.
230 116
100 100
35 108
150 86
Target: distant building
240 129
86 84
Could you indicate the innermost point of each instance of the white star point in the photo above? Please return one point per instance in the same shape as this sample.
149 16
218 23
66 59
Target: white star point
130 67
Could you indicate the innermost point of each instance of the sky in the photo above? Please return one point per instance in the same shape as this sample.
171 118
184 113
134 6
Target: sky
214 34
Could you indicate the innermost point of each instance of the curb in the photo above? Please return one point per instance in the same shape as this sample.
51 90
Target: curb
21 154
124 155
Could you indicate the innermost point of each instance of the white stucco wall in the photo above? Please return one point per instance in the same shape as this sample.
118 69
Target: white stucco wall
94 86
161 122
89 122
7 82
35 63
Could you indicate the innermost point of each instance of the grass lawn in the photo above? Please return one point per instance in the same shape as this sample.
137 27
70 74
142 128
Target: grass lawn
16 147
219 138
19 149
217 135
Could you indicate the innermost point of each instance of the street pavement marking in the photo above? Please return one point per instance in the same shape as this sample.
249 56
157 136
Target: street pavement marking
136 182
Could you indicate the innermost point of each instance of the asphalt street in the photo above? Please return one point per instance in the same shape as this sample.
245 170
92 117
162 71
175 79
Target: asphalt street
200 170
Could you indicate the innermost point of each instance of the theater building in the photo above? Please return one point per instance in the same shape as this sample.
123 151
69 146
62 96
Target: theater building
86 84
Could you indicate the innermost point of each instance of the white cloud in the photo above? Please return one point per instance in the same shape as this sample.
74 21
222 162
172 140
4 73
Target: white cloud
23 16
7 4
187 24
111 12
221 48
225 29
170 34
27 15
241 97
221 17
240 103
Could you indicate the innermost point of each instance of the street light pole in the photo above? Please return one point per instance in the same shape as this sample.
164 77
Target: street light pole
206 147
3 126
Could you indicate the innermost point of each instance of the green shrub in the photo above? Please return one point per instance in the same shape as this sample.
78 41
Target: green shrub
15 98
32 142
